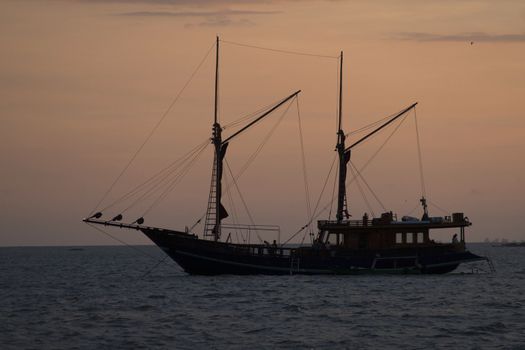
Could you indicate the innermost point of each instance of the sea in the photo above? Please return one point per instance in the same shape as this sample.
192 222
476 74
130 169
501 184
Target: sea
133 297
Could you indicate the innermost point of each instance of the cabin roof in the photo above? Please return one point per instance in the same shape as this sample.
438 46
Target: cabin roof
397 226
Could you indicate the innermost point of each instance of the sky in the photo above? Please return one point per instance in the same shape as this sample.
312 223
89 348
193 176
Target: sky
83 82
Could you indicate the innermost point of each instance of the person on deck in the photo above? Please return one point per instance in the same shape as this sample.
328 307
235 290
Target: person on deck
455 238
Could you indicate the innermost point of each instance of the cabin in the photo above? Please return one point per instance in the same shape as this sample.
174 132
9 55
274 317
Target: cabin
386 232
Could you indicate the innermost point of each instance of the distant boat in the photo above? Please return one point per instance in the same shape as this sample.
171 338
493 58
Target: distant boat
76 249
341 246
510 244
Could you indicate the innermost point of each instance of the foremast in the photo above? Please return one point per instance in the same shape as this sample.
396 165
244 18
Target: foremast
216 211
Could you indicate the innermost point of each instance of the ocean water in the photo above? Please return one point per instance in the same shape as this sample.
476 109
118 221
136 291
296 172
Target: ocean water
116 297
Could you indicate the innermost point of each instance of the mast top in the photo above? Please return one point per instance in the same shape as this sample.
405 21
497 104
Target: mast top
215 114
340 109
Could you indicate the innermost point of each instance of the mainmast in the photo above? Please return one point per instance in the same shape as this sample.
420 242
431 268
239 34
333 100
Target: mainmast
344 155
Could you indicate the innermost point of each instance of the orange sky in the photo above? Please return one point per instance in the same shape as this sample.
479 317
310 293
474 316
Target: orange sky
83 82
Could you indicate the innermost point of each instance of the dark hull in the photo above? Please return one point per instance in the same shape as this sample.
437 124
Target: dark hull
203 257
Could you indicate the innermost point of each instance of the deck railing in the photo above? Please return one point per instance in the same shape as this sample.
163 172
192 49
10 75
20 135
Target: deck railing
248 229
353 223
378 222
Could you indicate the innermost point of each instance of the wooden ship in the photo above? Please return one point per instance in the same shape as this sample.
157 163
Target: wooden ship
383 245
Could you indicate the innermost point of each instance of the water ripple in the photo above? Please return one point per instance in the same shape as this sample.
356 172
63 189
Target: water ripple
97 298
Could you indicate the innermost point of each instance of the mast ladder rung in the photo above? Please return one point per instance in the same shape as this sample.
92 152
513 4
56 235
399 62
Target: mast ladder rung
209 222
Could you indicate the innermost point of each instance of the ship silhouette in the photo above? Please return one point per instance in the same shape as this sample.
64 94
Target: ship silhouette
382 245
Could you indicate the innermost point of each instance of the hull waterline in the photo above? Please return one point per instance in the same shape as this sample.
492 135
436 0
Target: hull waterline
203 257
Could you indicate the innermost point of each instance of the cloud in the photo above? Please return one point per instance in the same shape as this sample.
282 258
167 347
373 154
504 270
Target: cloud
217 18
222 22
179 2
463 37
221 13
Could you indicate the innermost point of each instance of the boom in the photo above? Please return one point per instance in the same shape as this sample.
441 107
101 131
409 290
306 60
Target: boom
262 116
381 127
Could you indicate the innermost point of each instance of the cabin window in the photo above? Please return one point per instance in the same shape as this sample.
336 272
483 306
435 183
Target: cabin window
420 238
399 238
332 239
410 238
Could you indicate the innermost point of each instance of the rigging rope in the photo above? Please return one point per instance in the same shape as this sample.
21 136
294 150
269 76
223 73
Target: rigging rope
263 143
330 203
176 180
134 248
324 187
157 181
414 209
446 212
363 195
303 158
252 158
380 148
317 213
242 200
420 158
279 50
312 218
249 116
376 197
121 241
153 130
159 176
233 210
369 126
368 186
186 164
161 261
